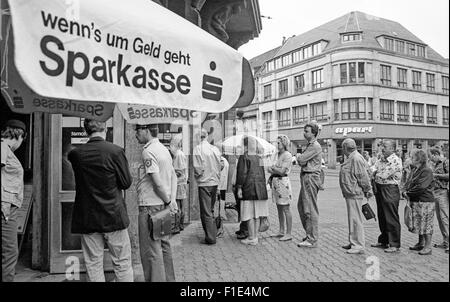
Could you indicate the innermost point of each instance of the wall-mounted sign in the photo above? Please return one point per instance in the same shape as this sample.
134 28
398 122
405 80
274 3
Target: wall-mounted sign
144 114
133 51
349 130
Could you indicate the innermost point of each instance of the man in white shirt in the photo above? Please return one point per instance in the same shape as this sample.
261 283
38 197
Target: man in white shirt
156 188
207 168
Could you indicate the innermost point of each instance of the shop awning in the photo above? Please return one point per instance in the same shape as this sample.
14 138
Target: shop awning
83 59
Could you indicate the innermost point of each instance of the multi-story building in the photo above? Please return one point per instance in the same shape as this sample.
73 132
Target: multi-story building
359 76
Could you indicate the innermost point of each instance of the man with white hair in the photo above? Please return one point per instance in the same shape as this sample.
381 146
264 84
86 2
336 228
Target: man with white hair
207 168
354 181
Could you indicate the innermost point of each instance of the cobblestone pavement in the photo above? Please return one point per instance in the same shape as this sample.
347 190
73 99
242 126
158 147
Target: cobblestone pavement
272 260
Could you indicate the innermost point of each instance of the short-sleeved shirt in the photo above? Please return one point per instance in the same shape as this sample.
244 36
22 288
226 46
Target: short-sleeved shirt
207 158
284 161
441 167
389 170
180 165
12 176
156 159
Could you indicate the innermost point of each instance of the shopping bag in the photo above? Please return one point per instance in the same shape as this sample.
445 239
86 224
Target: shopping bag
263 224
408 217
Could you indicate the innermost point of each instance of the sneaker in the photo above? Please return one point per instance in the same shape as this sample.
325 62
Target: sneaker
355 251
306 243
286 238
446 250
443 245
279 235
379 245
392 250
250 241
425 251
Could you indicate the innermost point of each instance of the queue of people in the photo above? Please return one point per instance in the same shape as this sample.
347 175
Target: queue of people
102 173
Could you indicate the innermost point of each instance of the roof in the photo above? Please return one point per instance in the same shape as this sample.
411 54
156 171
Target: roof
371 27
259 61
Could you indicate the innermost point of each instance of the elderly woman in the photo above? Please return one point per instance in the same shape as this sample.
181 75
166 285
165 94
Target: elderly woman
252 190
281 187
180 164
12 195
418 190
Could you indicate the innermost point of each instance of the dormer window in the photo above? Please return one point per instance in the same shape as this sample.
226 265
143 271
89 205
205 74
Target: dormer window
351 37
402 46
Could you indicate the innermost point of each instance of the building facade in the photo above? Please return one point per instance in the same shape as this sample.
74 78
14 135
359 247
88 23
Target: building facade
360 77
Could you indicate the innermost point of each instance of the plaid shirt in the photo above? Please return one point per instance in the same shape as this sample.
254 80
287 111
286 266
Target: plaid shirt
389 170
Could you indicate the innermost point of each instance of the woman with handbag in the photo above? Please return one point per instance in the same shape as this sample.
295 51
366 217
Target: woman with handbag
418 190
252 190
281 187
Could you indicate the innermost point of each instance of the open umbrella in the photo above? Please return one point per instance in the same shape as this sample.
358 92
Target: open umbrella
234 145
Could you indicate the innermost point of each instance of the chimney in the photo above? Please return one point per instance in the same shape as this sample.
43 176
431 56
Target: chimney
284 40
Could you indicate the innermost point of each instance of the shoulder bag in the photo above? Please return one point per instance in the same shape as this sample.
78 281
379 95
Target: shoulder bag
161 223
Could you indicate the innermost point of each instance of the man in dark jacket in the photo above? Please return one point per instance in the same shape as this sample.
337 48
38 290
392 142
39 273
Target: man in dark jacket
99 213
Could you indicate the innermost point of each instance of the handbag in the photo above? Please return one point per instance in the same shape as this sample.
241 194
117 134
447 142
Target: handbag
263 224
368 212
408 217
161 223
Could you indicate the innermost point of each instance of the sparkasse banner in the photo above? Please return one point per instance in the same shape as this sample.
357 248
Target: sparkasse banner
132 51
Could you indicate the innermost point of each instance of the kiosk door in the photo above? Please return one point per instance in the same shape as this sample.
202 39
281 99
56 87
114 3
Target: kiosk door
65 248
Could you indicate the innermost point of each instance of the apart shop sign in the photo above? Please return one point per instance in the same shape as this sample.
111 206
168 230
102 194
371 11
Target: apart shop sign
121 52
354 130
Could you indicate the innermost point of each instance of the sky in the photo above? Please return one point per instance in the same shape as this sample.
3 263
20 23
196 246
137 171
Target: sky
428 20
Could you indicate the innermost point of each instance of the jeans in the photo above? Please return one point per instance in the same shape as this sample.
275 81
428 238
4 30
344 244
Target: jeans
10 249
307 205
441 197
355 222
388 200
156 255
120 249
207 199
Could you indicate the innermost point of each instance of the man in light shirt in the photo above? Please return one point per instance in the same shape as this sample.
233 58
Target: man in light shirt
388 173
156 188
207 168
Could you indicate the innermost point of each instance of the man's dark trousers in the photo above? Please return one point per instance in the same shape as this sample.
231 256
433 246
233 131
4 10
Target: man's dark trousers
388 200
207 199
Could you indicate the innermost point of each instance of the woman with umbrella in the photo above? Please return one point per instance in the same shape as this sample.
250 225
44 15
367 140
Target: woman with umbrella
281 187
252 190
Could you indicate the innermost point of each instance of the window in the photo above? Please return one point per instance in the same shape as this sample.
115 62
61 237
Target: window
352 72
284 117
267 92
387 110
296 56
402 112
319 111
370 108
287 60
267 118
278 63
430 82
307 52
417 80
389 44
353 109
299 83
317 79
444 115
417 113
282 88
420 51
400 46
361 72
351 37
386 75
402 77
343 73
336 110
316 49
445 84
411 49
270 66
300 114
431 114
